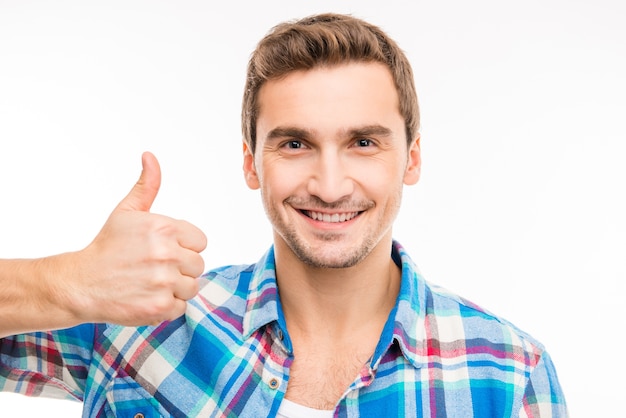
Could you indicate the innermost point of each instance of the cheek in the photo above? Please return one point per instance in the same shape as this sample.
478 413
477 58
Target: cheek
279 180
380 176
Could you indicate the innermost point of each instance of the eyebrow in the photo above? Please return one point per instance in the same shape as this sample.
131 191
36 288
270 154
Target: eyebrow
301 133
288 132
369 130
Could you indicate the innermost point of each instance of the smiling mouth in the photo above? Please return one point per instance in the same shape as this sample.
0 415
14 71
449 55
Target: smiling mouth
330 218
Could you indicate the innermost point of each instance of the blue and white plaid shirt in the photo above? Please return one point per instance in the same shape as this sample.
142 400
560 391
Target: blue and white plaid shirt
229 356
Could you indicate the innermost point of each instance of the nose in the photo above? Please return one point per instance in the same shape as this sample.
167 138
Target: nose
330 179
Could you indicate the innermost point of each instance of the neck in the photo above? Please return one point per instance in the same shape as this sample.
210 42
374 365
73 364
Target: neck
337 302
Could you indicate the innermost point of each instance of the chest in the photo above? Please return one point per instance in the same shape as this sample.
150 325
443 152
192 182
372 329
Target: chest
319 378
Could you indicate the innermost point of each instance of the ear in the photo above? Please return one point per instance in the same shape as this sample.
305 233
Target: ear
249 168
414 163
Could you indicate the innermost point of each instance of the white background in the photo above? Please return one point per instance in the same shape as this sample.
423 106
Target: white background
521 203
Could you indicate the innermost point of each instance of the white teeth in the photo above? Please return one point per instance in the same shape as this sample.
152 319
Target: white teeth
334 218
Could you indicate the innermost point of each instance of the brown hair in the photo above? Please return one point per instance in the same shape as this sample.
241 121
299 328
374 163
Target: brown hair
326 39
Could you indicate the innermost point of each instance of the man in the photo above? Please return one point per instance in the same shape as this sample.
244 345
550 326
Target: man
334 320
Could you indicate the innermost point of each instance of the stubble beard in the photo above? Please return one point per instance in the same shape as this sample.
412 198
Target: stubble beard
323 255
337 260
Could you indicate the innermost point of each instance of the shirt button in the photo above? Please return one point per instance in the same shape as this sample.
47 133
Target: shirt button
274 383
139 415
280 334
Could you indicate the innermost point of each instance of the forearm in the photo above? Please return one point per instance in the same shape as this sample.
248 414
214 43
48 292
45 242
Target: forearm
34 295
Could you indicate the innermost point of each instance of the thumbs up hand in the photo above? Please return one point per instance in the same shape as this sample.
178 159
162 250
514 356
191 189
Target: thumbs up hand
142 267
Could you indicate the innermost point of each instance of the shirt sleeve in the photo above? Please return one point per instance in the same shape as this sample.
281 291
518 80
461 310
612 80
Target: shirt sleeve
543 396
52 364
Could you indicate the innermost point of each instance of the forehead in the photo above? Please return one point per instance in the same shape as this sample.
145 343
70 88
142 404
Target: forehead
330 98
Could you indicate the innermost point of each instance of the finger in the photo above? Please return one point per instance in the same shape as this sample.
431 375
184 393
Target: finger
191 263
191 237
143 193
179 307
186 288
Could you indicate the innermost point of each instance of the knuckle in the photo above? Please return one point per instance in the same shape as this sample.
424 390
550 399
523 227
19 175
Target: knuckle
167 228
161 228
162 307
197 266
162 253
191 289
163 279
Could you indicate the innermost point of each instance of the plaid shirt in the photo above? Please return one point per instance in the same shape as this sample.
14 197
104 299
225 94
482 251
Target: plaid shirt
229 356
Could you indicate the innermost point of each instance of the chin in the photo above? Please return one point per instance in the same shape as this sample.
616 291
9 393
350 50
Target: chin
330 263
329 256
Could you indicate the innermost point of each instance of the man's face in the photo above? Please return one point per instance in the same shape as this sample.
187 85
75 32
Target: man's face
331 159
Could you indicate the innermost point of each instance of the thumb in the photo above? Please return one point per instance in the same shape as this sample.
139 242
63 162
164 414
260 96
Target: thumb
144 192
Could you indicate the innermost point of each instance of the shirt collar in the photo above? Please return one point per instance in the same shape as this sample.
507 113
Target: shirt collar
405 324
262 305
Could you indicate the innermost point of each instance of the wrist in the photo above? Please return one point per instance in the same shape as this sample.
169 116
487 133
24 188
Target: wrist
55 286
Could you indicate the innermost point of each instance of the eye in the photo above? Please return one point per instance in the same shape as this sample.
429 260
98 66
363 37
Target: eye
293 144
363 142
